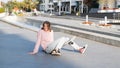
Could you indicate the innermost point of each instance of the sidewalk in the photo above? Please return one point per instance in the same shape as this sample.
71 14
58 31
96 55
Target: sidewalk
15 43
77 24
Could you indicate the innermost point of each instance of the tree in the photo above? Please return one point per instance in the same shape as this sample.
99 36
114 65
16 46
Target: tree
25 4
9 5
88 3
30 4
2 9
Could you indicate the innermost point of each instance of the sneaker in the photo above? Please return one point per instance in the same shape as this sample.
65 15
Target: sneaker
70 43
55 53
70 40
82 50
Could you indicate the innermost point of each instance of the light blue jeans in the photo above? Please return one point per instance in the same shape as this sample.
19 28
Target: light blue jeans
59 43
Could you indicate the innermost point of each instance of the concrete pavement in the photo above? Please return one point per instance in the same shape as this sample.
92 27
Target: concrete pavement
93 32
15 43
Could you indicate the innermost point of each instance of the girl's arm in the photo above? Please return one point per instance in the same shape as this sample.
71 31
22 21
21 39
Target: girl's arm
37 45
52 36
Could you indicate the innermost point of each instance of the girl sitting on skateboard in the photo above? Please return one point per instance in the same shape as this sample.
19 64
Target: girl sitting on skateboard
45 38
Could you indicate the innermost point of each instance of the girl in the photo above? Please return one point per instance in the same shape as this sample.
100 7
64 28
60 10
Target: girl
45 38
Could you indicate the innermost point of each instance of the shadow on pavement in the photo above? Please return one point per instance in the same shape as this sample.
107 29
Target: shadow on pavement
14 54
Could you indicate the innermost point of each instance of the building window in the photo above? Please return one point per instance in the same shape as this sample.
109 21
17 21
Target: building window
50 1
42 1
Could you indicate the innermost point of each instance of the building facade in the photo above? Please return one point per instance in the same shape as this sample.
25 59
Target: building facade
118 3
68 6
109 6
83 6
0 3
46 5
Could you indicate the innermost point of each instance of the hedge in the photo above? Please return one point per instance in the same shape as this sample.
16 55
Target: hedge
2 10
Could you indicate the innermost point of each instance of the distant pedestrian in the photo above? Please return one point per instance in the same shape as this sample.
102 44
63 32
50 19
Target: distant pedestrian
35 12
45 38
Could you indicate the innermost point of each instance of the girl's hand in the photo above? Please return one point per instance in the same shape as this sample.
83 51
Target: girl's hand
32 53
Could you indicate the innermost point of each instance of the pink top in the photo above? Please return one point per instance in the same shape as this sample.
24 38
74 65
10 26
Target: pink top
45 37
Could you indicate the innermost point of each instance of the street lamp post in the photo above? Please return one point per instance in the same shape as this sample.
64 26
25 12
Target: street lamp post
59 3
10 7
82 7
70 6
51 7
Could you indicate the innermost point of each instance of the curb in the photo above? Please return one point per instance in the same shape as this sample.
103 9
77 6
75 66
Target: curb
21 25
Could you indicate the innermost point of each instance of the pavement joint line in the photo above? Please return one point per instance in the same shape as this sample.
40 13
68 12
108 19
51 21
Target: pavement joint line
22 26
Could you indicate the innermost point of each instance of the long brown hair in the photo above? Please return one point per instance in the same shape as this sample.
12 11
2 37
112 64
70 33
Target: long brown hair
48 25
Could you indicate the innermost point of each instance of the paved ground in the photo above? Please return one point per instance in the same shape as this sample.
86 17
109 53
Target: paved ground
15 43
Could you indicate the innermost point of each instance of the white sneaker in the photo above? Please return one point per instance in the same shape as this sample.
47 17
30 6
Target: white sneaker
70 40
82 50
54 53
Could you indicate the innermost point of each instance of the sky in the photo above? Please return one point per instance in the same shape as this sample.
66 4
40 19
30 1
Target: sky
9 0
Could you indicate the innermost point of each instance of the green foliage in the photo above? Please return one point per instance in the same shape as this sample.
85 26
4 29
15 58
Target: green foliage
24 4
10 6
2 10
